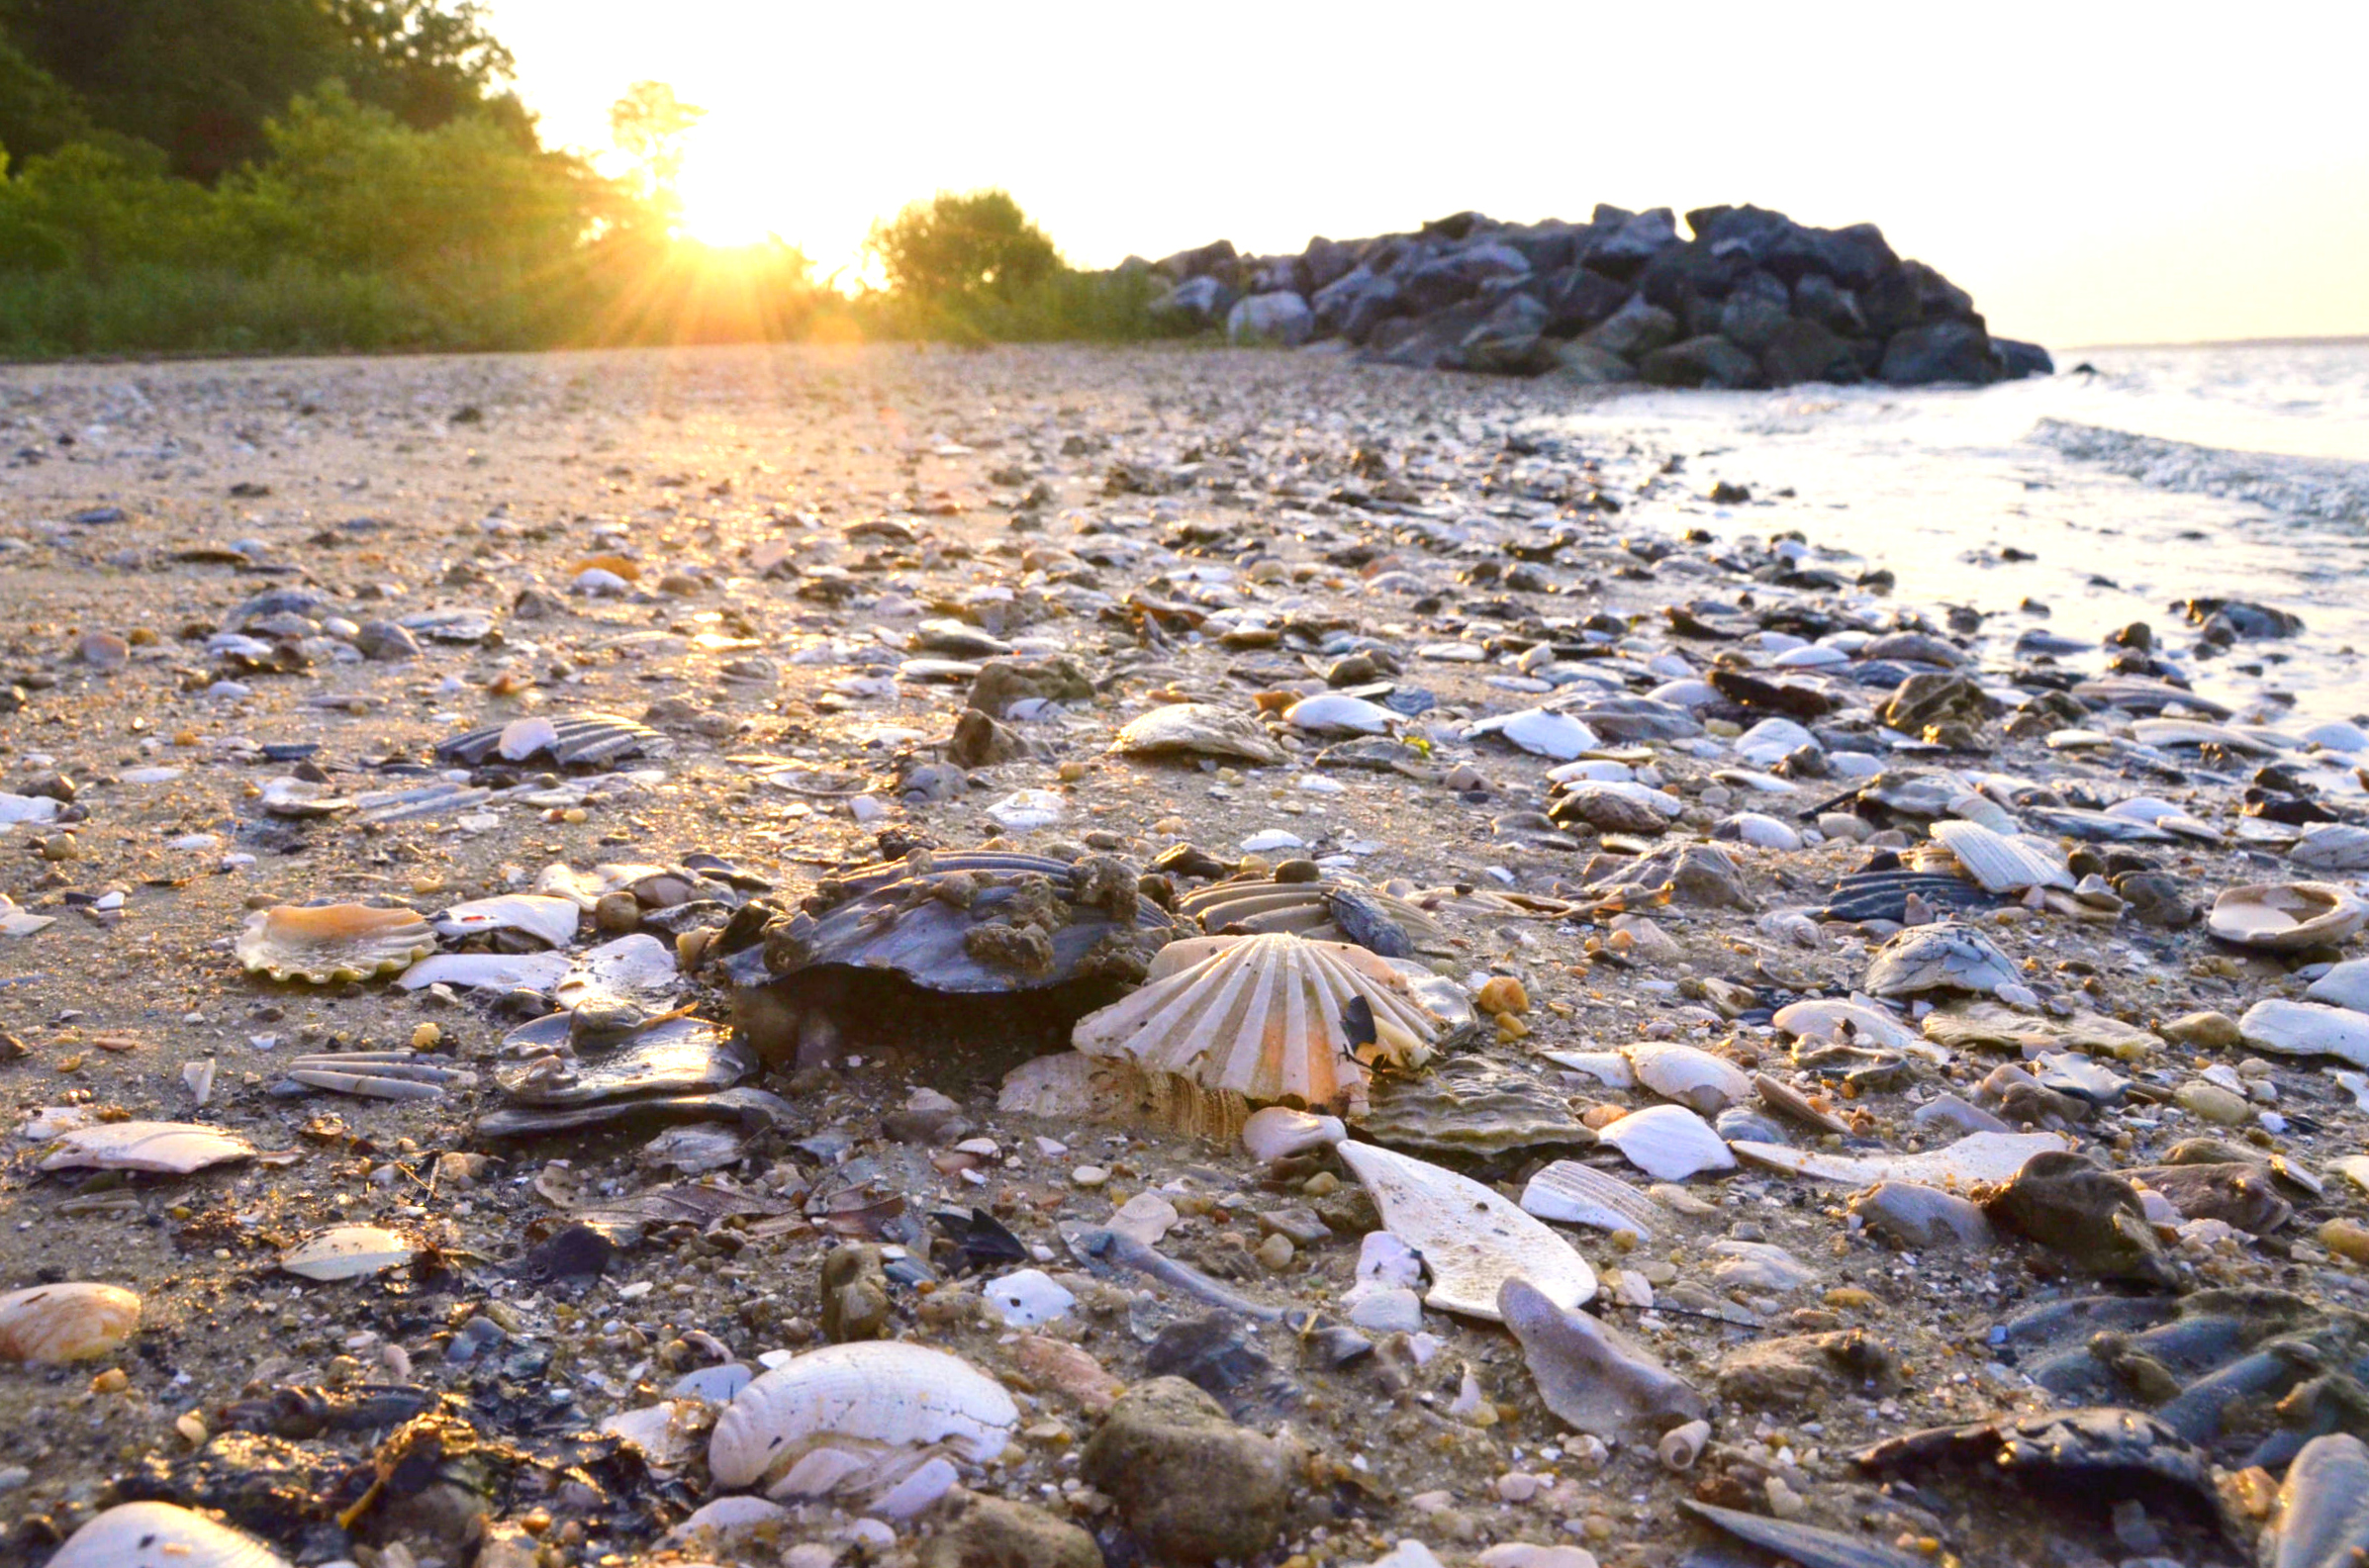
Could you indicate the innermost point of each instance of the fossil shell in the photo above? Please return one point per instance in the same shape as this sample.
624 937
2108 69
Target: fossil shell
1944 956
1197 729
1690 1076
1578 1194
328 944
166 1147
550 920
2281 917
2003 865
1473 1239
1848 1023
2307 1029
858 1418
162 1535
347 1251
65 1322
1668 1143
1261 1017
1304 909
1975 1158
592 740
1539 731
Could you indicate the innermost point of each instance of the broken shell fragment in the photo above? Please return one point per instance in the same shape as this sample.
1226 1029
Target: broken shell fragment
667 1056
330 944
173 1149
1197 729
347 1251
858 1418
550 920
1668 1143
1276 1131
65 1322
2283 917
1473 1239
2307 1029
1847 1023
1680 1446
1975 1158
1806 1544
2322 1518
1690 1076
1591 1374
1578 1194
1947 957
1540 731
378 1074
1324 910
162 1535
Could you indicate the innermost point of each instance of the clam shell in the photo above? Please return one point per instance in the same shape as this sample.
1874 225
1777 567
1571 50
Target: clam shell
1197 729
1578 1194
1934 957
1257 1017
1332 713
65 1322
2003 865
1690 1076
2281 917
1304 909
1849 1023
509 971
1473 1237
592 740
1668 1143
1539 732
348 1251
2307 1029
552 921
330 944
166 1147
2333 847
1975 1158
855 1418
162 1535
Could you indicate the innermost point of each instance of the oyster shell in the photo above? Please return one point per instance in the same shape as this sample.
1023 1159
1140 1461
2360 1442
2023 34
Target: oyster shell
1198 729
1576 1194
1668 1143
858 1418
2307 1029
1975 1158
587 740
1937 957
330 944
2282 917
162 1535
348 1251
164 1147
1472 1108
1473 1239
2002 864
65 1322
1692 1076
1265 1018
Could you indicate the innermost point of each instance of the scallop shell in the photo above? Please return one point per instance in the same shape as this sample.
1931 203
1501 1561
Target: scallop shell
858 1418
328 944
1304 909
1935 958
348 1251
552 921
2003 865
1333 713
1668 1143
592 740
2281 917
1975 1158
166 1147
2307 1029
1578 1194
162 1535
1473 1239
65 1322
1259 1017
1690 1076
1197 729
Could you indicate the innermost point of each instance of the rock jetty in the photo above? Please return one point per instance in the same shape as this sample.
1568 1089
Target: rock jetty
1753 299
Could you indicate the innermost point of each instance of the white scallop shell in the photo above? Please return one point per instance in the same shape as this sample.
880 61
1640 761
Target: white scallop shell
1199 729
1473 1239
328 944
2000 864
1578 1194
1853 1023
348 1251
1690 1076
858 1418
65 1322
2307 1029
1975 1158
168 1147
1258 1016
162 1535
1331 713
550 920
2280 917
1668 1143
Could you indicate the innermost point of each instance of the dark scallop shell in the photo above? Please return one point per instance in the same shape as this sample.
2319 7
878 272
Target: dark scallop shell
581 739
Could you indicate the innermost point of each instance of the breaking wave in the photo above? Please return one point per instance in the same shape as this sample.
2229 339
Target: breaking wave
2319 489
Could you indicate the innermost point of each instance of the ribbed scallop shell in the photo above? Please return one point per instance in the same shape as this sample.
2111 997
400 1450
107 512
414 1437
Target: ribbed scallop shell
582 739
1304 909
1473 1239
2003 865
851 1418
1257 1017
65 1322
1578 1194
2280 917
328 944
162 1535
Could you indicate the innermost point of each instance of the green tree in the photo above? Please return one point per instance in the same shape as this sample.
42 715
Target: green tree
954 250
648 126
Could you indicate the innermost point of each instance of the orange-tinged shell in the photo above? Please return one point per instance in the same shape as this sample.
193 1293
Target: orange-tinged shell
328 944
65 1322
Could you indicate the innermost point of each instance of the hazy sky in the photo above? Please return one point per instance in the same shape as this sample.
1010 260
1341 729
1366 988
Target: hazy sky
2093 173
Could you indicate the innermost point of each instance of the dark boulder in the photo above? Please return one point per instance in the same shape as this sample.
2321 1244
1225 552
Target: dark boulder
1634 331
1436 285
1509 342
1428 342
1199 262
1327 262
1547 246
1197 302
1955 351
1577 299
1639 239
1585 365
1353 302
1819 298
1710 361
2024 360
1456 225
1754 311
1799 350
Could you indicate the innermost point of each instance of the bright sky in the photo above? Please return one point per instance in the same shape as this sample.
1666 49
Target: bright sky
2092 173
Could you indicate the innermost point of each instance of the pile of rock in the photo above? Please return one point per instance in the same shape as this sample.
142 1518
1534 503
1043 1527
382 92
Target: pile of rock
1753 300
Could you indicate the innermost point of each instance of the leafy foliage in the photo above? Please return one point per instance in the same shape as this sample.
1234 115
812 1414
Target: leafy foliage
960 249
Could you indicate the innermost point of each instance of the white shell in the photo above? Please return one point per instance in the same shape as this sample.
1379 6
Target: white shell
512 972
1276 1131
857 1417
1944 956
2333 847
1539 732
162 1535
1201 729
347 1251
1854 1023
332 943
2002 865
663 1432
1977 1157
550 920
1257 1016
1027 1297
1690 1076
638 964
2307 1029
521 738
1332 713
2186 732
1473 1237
168 1147
1028 808
1772 741
1578 1194
2345 986
2280 917
65 1322
1668 1143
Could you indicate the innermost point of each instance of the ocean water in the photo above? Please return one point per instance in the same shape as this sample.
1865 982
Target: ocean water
2230 471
